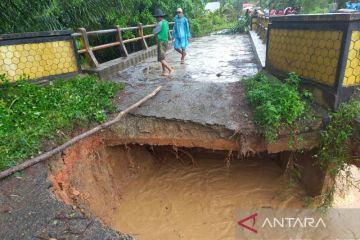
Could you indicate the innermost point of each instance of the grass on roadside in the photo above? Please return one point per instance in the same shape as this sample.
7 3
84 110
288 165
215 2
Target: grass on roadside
31 115
278 105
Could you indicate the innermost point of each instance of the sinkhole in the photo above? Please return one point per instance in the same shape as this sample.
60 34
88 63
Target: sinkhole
157 178
169 192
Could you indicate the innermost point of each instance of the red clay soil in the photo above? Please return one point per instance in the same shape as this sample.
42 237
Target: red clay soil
91 175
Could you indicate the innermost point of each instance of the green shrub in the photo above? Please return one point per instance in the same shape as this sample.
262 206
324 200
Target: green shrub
276 105
209 23
334 155
241 26
31 114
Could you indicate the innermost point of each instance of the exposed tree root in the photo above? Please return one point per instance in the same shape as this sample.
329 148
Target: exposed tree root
228 159
290 165
195 164
176 154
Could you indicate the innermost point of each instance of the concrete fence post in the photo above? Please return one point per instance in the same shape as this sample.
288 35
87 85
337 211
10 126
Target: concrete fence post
120 39
89 53
141 34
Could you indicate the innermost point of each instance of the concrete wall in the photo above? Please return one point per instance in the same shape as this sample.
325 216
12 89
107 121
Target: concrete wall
108 69
38 55
312 54
322 49
352 71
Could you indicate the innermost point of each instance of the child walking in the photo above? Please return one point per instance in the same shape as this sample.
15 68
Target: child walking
161 31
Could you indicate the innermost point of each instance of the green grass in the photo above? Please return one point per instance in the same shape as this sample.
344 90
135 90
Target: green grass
32 115
276 105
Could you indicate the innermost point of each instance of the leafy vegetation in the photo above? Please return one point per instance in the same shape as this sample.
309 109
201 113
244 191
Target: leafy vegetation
280 105
334 154
31 115
241 26
307 6
276 105
44 15
209 23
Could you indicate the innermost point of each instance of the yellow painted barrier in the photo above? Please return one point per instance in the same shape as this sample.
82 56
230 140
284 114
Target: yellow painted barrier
38 57
324 50
352 72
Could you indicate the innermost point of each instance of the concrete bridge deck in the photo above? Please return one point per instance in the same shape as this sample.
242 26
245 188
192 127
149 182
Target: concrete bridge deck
204 90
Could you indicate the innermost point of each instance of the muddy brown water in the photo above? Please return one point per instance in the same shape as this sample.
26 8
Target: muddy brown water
158 193
173 201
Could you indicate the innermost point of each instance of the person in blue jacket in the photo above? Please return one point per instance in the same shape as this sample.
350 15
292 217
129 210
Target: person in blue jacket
181 34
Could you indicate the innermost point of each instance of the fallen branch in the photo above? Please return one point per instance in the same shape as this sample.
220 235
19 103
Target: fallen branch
44 156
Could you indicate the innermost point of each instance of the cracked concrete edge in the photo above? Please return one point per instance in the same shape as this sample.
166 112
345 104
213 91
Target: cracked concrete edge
162 131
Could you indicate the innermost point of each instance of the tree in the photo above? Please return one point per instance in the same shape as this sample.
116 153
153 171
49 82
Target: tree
45 15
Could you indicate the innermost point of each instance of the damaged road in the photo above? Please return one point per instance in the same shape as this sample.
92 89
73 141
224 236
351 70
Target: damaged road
29 210
204 90
201 105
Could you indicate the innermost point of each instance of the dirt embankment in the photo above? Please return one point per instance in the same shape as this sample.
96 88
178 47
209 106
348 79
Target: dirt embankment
91 175
166 191
93 151
94 174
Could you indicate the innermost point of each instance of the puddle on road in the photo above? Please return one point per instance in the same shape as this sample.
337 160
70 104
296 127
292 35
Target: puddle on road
173 201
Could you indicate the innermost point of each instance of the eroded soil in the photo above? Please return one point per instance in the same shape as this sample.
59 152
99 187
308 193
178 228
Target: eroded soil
167 192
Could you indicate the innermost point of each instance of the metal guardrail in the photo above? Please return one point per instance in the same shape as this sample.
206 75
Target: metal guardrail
89 50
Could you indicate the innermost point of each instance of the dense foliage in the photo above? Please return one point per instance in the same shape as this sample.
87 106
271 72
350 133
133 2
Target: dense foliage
276 105
209 23
334 155
307 6
241 26
334 152
31 114
44 15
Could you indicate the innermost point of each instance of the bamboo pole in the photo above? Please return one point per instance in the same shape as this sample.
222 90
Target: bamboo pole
44 156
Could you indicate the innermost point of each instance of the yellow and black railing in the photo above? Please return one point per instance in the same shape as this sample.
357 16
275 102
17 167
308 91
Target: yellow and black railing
324 50
47 55
40 55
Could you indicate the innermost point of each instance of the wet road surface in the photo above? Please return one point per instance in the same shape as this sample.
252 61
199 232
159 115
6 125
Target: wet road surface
205 89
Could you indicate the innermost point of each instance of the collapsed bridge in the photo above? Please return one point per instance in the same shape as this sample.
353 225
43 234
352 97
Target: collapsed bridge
199 115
